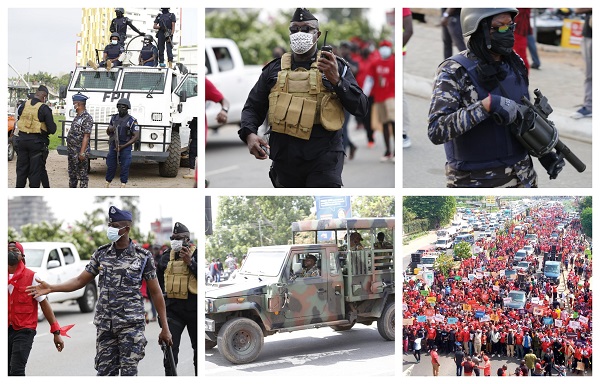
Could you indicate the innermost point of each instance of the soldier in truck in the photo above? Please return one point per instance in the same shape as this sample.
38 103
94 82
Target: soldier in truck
309 269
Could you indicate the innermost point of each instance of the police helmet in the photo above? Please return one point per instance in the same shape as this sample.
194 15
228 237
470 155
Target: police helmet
124 102
471 17
115 34
120 10
148 38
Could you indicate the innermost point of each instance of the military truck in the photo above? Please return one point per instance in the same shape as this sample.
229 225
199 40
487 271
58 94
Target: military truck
162 100
271 295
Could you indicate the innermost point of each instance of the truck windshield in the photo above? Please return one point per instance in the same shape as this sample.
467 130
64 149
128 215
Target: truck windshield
34 257
428 260
92 80
143 81
264 263
549 268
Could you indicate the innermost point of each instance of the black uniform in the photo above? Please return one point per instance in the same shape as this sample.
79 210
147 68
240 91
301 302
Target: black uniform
32 150
119 25
164 35
180 313
316 162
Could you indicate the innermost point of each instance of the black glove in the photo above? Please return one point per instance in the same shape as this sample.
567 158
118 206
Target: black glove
503 110
552 163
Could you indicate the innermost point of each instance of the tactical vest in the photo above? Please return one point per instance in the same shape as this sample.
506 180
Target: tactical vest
124 127
29 121
299 100
488 145
179 280
113 51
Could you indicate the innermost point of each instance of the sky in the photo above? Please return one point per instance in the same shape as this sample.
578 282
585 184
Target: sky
49 36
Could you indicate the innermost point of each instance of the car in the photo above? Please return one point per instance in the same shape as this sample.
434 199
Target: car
517 299
467 237
528 249
524 266
520 255
444 243
532 238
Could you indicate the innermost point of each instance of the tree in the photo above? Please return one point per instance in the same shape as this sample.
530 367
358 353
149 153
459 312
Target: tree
439 210
462 250
374 206
586 202
443 264
586 221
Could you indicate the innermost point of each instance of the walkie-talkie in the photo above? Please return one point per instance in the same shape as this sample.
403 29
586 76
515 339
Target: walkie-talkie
325 47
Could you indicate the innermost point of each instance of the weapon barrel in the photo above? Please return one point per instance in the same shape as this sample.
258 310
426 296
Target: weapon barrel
168 352
570 156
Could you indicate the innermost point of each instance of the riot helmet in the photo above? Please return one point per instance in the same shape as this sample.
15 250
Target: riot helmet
120 11
115 34
148 39
470 18
125 102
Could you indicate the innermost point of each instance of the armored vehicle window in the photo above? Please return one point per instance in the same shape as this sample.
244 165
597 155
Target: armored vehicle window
190 86
94 80
263 263
333 268
143 81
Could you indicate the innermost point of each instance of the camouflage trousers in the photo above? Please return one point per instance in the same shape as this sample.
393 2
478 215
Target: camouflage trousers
519 175
120 350
78 170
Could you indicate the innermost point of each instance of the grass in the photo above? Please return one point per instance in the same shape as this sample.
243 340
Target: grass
410 238
55 139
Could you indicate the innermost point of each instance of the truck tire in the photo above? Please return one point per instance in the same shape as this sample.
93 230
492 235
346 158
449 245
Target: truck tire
170 167
340 328
386 324
87 302
208 345
240 340
11 148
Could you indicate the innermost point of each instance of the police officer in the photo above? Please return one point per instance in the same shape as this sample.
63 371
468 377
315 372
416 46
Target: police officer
474 103
35 124
120 322
112 53
177 275
123 131
149 53
164 23
305 115
119 25
78 143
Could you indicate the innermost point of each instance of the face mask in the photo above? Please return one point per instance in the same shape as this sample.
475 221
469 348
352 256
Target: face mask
114 42
13 259
113 234
122 111
176 245
502 43
385 52
301 42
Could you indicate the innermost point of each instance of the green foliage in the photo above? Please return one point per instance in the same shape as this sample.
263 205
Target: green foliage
256 38
586 221
443 264
462 250
586 202
415 226
374 206
439 210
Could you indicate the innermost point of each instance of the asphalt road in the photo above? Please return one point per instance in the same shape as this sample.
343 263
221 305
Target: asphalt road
77 358
229 165
423 162
360 351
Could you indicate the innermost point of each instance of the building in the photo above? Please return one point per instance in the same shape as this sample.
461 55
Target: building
28 210
95 33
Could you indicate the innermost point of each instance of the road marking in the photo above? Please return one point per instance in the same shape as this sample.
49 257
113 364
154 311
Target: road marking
222 170
408 372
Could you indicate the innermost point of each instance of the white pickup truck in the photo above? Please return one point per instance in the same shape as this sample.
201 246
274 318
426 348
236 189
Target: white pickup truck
226 70
55 263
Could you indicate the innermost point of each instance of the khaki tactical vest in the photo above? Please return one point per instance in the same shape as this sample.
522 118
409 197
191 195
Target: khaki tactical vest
179 280
29 122
299 100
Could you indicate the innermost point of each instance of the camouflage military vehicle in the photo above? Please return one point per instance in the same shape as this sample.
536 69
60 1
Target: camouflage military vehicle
355 284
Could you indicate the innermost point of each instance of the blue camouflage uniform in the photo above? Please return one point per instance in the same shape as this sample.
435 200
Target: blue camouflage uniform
479 152
82 124
119 318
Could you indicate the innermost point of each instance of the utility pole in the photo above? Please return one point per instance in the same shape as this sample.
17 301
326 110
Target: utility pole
28 67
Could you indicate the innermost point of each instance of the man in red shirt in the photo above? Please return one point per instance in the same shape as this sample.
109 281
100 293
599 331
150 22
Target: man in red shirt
435 361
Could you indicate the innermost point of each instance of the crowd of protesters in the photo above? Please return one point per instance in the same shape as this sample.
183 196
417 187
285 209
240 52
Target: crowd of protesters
465 312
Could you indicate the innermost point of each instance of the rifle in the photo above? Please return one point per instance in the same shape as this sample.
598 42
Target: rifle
168 356
539 135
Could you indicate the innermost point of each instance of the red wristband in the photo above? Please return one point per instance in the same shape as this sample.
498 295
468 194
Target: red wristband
54 327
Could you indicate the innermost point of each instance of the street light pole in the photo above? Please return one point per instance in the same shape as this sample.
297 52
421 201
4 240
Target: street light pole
28 67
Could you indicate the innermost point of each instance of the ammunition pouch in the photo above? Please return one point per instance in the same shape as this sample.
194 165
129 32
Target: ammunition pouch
179 280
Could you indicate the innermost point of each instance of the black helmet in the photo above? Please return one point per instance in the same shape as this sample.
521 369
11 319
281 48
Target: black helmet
148 38
120 10
471 17
115 34
125 102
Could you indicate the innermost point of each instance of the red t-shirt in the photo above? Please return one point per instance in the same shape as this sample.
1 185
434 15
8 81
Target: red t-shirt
211 93
383 72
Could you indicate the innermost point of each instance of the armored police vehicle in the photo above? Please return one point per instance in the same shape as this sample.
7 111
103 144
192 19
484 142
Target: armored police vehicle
354 284
162 100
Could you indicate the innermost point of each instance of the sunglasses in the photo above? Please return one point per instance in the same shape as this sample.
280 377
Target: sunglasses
303 29
505 28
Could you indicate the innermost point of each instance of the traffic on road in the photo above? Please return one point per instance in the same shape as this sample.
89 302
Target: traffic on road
517 301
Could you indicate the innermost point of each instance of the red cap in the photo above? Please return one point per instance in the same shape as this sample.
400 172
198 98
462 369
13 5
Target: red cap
385 43
18 246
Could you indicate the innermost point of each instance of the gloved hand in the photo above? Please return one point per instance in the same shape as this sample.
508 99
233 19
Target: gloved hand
503 110
552 163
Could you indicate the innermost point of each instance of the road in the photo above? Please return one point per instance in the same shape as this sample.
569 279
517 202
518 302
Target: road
77 359
423 162
319 352
228 163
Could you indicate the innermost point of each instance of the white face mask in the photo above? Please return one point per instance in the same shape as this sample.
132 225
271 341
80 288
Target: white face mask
113 233
176 245
385 52
114 42
301 42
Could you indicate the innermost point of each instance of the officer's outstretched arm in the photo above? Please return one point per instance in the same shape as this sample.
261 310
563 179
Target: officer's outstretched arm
71 285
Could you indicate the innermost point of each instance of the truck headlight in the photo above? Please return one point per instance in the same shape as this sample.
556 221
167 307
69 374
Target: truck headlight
156 116
153 136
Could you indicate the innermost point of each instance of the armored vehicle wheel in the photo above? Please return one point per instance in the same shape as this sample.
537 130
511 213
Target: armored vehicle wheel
87 302
240 340
340 328
386 324
170 167
209 344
